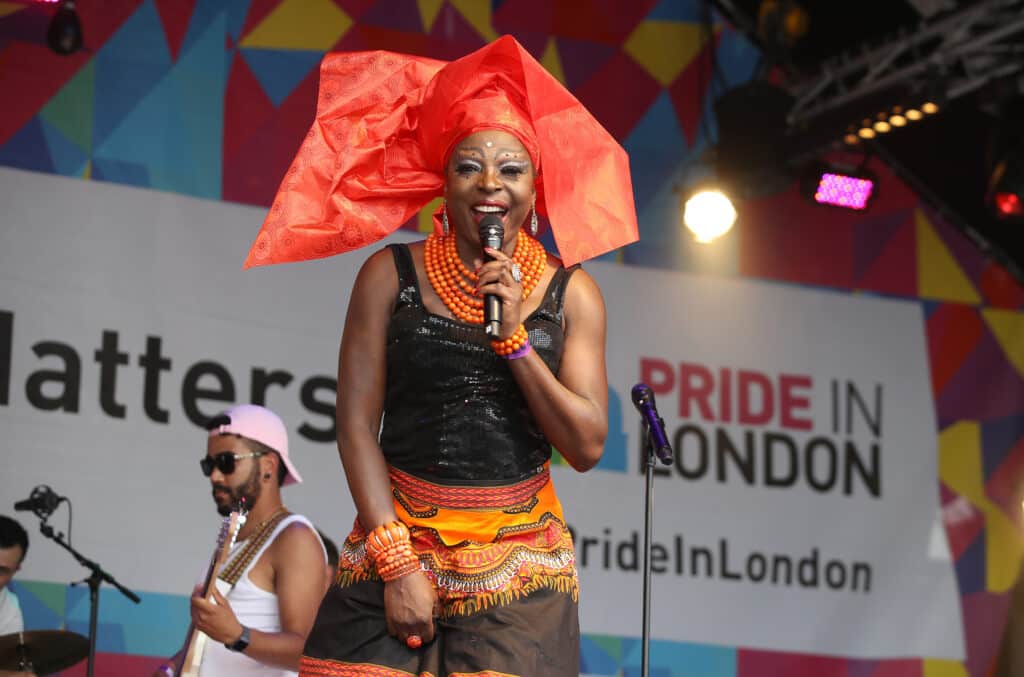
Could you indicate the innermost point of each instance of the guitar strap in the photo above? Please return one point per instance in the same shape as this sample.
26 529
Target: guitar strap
234 569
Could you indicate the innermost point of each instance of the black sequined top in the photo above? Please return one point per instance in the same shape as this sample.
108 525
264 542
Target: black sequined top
453 412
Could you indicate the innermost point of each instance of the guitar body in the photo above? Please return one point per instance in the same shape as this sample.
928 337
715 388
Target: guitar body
195 642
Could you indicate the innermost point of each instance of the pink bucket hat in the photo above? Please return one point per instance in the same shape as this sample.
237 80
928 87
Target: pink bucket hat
262 425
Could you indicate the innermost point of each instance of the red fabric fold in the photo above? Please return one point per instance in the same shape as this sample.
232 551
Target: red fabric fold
385 124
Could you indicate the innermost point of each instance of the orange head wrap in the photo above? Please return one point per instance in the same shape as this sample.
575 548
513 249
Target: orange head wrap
385 125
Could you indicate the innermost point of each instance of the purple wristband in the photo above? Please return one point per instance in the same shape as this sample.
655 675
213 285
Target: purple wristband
523 351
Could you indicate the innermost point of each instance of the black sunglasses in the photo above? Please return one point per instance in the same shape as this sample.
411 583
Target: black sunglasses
224 462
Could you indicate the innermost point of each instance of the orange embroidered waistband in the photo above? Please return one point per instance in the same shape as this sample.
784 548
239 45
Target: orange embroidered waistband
468 497
474 513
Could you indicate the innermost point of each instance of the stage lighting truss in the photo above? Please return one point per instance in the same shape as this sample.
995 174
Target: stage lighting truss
915 73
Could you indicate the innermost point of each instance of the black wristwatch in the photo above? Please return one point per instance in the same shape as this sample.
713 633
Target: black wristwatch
242 642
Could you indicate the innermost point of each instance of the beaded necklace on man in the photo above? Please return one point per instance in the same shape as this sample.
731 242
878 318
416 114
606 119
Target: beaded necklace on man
456 284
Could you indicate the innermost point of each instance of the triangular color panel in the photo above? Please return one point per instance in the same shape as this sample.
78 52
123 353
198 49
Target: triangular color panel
237 12
256 12
1000 288
871 237
246 107
656 147
953 331
1003 482
596 659
939 276
428 12
28 149
355 8
966 254
127 68
254 170
402 15
676 10
1008 328
581 59
279 71
67 157
174 15
664 48
893 270
71 110
998 437
691 100
478 14
176 129
300 24
551 61
609 21
970 566
623 76
453 36
985 387
50 595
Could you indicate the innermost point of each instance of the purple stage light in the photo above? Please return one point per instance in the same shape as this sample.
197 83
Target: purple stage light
844 191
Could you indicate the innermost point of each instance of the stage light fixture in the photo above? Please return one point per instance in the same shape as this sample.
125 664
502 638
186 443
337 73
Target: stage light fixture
838 186
709 214
882 127
929 108
914 115
65 32
1006 187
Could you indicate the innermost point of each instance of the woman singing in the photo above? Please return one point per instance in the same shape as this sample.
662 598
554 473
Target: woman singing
460 561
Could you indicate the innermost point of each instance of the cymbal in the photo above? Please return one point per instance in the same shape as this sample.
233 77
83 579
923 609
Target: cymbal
49 650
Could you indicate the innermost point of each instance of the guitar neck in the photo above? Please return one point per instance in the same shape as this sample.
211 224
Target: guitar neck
195 641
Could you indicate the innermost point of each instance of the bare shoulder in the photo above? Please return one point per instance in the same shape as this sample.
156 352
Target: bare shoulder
299 541
378 269
582 295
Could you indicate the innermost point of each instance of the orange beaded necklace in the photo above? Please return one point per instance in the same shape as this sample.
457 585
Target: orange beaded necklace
456 284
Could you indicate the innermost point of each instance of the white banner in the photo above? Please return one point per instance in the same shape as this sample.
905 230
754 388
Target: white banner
801 513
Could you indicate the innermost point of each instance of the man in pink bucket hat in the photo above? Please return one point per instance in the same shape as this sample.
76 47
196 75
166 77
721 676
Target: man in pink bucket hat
258 615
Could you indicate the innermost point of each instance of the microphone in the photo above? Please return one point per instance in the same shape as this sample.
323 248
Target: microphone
643 400
42 501
491 235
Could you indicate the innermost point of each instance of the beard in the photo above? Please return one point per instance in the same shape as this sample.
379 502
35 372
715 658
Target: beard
230 498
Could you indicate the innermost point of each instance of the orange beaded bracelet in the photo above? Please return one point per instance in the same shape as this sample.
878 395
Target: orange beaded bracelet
513 343
390 548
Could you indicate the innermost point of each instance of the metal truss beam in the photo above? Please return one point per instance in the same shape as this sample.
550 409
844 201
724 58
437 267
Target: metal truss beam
947 58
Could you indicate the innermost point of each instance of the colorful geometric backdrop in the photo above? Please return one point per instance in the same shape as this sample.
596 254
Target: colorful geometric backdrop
210 98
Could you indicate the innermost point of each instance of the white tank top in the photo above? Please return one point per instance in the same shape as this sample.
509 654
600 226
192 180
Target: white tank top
257 609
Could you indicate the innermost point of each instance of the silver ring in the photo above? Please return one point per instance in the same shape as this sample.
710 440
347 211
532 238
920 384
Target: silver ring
517 273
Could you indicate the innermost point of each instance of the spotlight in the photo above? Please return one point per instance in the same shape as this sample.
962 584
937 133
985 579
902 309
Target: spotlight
1006 187
929 108
709 214
65 33
882 127
914 115
836 187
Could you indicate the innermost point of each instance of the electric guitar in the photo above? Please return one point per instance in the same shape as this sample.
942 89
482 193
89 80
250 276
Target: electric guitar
195 641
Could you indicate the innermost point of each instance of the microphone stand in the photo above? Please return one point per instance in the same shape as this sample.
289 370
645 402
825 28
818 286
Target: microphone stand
652 456
96 578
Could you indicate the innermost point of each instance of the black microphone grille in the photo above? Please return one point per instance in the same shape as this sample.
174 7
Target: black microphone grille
640 393
491 226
